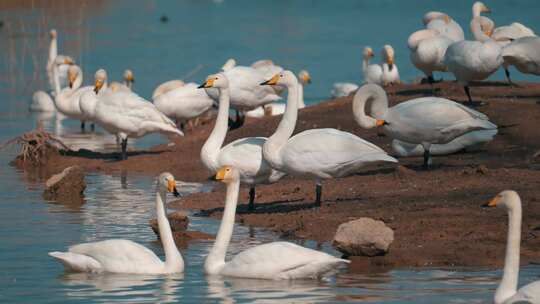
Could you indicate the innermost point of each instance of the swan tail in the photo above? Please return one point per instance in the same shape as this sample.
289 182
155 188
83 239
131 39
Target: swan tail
163 128
76 262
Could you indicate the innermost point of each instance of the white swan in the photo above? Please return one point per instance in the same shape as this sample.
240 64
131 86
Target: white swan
125 256
184 103
390 73
425 121
319 153
524 54
275 108
127 81
167 86
267 67
67 100
427 48
61 61
507 291
126 114
342 89
42 102
89 98
245 154
372 72
271 261
478 8
474 60
444 25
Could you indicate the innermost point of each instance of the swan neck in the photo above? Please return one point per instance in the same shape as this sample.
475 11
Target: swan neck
365 64
173 259
212 146
53 51
476 29
56 81
509 282
301 103
78 81
379 105
216 258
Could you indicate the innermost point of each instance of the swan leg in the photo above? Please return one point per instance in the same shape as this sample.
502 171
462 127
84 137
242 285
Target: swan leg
507 74
235 124
124 148
93 127
427 159
251 205
468 92
82 126
318 192
431 82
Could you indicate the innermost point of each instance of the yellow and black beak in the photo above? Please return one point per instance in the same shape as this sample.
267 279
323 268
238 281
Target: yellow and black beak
493 202
98 85
391 63
381 122
71 78
130 79
307 79
171 187
220 175
272 81
209 83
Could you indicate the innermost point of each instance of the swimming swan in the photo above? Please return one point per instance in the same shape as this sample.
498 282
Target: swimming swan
245 153
125 256
425 121
319 153
272 261
507 291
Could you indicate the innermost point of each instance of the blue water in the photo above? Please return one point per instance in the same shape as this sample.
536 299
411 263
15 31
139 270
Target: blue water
325 37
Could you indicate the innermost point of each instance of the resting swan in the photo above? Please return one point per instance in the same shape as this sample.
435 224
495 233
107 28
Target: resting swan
507 291
125 256
372 72
427 48
271 261
425 121
524 54
245 153
319 153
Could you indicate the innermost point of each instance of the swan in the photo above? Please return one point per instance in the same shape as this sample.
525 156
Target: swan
67 100
268 68
184 103
89 98
474 60
427 49
372 72
126 114
425 121
319 153
342 89
127 81
42 102
444 25
245 153
478 8
63 62
271 261
524 54
125 256
275 108
390 73
167 86
507 291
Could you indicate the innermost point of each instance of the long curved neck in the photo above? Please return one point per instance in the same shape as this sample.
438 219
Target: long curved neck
476 29
53 51
78 81
212 146
379 105
216 258
56 81
365 64
509 282
476 11
173 259
415 39
301 103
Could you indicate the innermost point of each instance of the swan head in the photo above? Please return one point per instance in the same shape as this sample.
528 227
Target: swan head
128 77
227 174
100 79
59 60
388 55
73 73
506 199
166 183
53 34
282 79
304 77
479 7
368 52
219 81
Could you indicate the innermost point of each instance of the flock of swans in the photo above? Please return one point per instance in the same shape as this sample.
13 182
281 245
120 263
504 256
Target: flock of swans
423 126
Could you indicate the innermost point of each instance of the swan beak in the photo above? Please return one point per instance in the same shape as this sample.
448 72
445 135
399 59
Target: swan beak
71 80
220 175
488 33
130 79
493 202
207 84
447 19
271 81
390 62
68 61
98 85
307 79
381 122
171 187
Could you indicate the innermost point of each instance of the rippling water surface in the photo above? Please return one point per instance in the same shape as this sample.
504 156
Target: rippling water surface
325 37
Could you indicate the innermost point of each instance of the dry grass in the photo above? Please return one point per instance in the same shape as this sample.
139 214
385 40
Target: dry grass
35 145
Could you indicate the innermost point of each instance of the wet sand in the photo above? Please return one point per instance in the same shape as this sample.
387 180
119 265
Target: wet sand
436 214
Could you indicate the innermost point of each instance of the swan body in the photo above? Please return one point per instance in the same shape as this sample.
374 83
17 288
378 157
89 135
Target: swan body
425 121
319 153
42 102
507 291
390 73
245 92
427 49
272 261
444 25
372 72
89 98
508 33
124 256
524 54
184 103
342 89
167 86
245 153
67 100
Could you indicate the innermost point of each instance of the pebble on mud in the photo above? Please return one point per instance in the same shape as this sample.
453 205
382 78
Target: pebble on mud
363 237
178 220
67 186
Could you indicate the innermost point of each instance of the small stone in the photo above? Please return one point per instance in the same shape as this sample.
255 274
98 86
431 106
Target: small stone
178 221
66 187
482 169
363 236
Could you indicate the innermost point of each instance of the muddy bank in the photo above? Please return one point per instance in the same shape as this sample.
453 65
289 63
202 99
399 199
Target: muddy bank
435 214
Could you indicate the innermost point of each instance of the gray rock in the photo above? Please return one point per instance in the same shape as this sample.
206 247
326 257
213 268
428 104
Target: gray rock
67 186
178 220
363 236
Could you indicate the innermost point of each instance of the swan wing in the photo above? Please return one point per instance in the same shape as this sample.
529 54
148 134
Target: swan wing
511 32
281 260
524 53
118 255
373 74
451 29
184 102
529 293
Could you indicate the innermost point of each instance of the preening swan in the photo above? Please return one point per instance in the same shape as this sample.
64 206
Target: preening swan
524 54
507 291
372 72
126 114
444 25
125 256
474 60
272 261
245 153
390 73
319 153
167 86
425 121
427 48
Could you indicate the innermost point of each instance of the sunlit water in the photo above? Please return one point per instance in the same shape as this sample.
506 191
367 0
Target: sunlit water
325 37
